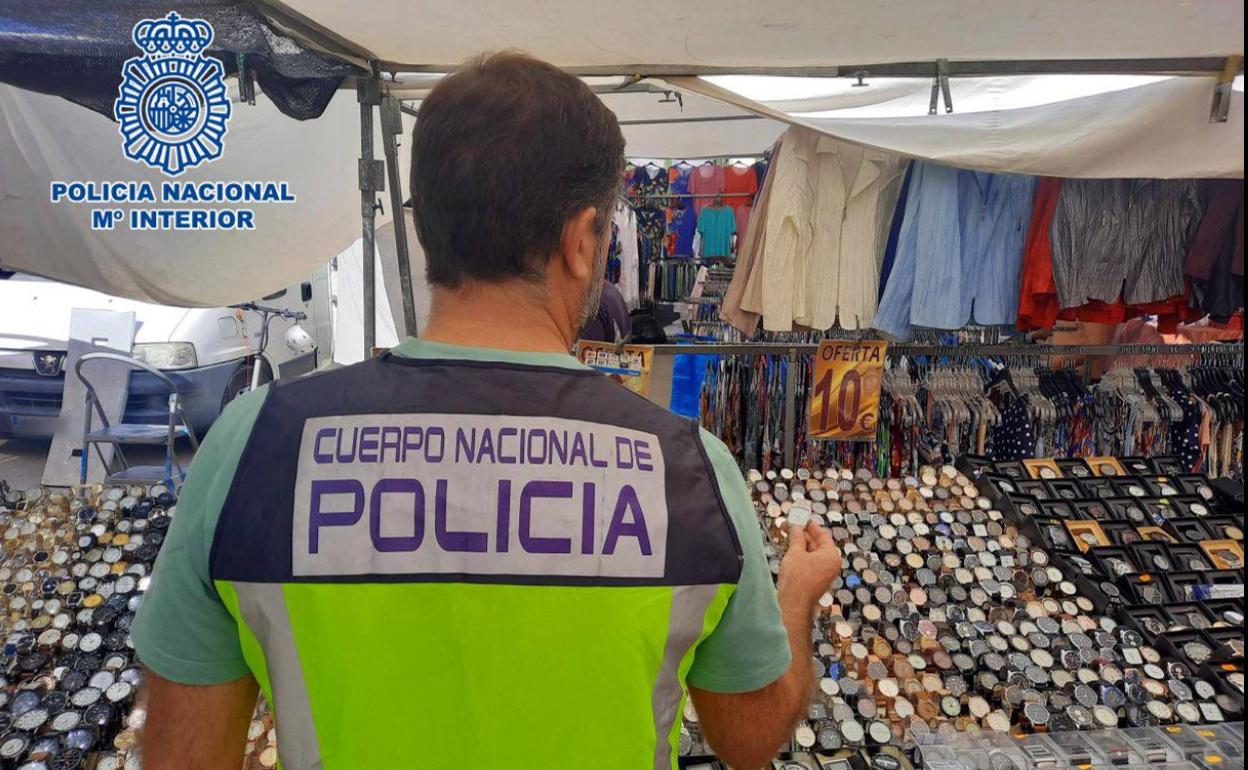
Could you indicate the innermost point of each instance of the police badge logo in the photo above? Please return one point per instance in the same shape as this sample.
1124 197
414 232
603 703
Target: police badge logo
172 105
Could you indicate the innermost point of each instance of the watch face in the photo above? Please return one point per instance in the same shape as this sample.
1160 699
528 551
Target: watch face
118 692
85 697
13 746
66 720
31 720
1197 652
880 732
1204 690
804 736
108 761
1105 716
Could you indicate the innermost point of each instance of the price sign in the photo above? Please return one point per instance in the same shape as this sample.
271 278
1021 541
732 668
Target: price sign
845 402
628 365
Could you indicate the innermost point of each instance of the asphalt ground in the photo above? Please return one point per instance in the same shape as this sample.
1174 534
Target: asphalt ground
22 460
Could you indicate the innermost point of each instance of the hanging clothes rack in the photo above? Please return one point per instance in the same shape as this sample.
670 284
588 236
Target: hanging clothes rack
666 196
799 355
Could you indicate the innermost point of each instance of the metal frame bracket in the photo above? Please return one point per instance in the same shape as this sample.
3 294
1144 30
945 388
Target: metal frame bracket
1220 111
368 90
391 115
372 175
391 130
246 81
940 88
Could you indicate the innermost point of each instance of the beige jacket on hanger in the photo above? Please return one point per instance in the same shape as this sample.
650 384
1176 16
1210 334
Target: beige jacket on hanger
787 233
856 192
745 289
816 240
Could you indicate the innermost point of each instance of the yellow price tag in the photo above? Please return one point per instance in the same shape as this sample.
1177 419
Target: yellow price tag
845 402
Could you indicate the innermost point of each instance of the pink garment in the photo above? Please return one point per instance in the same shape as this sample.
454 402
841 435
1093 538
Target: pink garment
1140 331
706 180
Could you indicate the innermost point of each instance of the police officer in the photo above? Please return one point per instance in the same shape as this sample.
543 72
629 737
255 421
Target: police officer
474 551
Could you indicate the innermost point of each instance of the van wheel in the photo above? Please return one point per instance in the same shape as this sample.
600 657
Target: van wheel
240 381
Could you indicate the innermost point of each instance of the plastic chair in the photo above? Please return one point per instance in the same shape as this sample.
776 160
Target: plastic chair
133 434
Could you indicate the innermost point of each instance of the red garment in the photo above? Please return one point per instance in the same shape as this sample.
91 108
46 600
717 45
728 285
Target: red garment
1037 301
1170 312
740 186
1212 331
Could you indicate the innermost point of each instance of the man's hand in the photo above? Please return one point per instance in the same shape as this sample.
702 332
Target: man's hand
811 564
746 729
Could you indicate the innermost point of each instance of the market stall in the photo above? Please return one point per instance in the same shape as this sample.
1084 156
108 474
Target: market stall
1044 543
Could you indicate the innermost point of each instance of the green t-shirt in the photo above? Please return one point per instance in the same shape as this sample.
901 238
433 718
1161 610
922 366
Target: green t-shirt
717 225
184 633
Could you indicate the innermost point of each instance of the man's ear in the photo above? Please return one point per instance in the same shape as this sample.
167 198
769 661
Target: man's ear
578 247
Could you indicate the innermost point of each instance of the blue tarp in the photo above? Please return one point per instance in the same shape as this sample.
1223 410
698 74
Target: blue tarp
75 50
688 373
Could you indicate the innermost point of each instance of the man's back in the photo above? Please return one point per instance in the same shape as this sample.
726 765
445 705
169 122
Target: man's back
446 559
474 551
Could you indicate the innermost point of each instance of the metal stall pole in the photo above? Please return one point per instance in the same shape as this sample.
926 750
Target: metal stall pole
391 127
372 174
790 410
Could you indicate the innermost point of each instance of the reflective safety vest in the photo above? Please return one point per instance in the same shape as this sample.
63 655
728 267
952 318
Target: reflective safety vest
458 564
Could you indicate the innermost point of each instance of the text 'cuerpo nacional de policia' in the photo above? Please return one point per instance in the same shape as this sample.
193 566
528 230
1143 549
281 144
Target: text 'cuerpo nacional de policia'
429 493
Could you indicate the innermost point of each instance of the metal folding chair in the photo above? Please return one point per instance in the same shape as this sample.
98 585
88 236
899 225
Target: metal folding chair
119 470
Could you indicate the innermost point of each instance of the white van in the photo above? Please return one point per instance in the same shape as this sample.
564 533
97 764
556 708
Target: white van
208 352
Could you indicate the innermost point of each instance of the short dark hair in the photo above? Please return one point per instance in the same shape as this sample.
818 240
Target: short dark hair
505 150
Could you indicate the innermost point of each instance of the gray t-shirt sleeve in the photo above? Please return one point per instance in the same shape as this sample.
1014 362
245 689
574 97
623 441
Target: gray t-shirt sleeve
749 649
183 631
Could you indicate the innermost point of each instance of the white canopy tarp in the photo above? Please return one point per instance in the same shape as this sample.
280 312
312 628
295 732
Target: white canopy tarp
909 97
45 139
622 37
1158 129
657 126
348 313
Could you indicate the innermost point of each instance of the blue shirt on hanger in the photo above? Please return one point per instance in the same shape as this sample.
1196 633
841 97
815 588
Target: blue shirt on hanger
959 250
684 225
894 231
